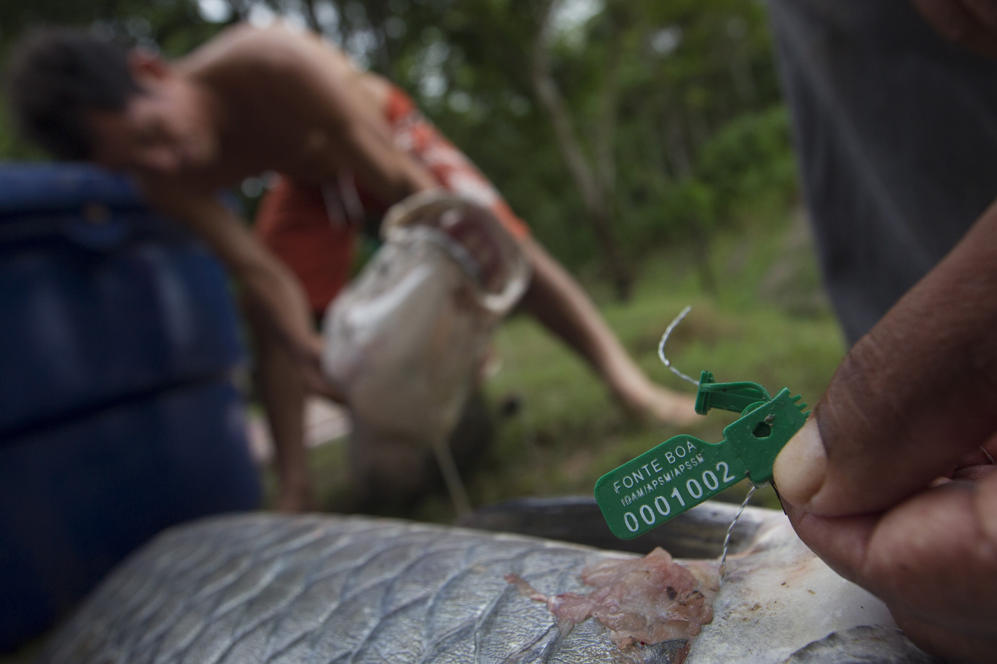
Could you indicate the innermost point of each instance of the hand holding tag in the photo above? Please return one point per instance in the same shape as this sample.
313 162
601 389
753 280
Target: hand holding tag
684 471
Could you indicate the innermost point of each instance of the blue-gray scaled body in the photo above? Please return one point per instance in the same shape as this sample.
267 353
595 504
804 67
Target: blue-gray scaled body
290 590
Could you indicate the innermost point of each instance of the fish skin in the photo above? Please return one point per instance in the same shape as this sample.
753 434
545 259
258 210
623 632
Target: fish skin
778 598
865 644
276 589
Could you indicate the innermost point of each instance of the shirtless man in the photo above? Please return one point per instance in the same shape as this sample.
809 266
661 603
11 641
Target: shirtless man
255 100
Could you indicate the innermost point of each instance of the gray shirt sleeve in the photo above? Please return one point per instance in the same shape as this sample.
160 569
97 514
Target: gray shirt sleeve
896 135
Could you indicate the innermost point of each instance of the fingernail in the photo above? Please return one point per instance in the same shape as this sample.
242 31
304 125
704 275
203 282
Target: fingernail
799 469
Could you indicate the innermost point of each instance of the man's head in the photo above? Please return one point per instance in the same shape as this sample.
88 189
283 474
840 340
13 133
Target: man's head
83 98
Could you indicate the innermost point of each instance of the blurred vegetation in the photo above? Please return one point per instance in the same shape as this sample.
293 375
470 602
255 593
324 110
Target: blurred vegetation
647 146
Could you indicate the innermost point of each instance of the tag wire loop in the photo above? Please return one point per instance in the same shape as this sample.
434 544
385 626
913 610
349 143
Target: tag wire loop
664 340
730 529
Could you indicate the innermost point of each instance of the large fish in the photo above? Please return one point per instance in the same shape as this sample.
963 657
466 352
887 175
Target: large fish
294 589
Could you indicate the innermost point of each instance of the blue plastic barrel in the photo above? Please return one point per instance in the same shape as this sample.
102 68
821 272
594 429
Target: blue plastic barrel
118 413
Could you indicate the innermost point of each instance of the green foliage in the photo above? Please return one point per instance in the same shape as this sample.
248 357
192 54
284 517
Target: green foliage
11 146
749 158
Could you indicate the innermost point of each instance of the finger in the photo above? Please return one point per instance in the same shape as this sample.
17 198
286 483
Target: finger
948 17
911 398
966 23
974 473
978 457
842 542
989 449
932 559
314 347
318 384
987 499
947 641
985 12
939 538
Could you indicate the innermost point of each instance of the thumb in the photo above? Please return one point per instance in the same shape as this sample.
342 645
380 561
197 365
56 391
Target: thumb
911 398
970 24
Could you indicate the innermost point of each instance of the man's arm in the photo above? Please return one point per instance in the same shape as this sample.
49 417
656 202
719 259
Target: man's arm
313 84
268 287
972 23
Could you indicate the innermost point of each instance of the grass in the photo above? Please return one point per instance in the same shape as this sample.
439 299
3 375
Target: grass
555 427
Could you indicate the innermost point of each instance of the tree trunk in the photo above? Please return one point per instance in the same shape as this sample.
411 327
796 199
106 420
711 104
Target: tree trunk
311 17
595 184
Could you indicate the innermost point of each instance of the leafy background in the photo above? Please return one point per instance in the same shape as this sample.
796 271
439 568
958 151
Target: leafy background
646 144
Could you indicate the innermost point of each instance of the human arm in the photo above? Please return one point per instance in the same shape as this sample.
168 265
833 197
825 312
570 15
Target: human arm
330 114
267 287
281 390
914 401
971 23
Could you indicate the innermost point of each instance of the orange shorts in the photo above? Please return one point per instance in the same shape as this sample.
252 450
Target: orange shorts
292 221
312 234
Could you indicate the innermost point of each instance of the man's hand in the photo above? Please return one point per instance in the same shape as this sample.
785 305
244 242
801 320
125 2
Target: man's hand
972 23
315 380
889 483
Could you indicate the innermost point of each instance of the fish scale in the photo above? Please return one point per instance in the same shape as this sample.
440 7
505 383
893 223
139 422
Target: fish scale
445 600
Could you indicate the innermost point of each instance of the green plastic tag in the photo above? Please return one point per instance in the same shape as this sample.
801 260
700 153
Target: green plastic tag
684 471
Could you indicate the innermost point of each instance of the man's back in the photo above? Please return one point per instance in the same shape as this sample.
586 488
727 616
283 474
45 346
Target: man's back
278 100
